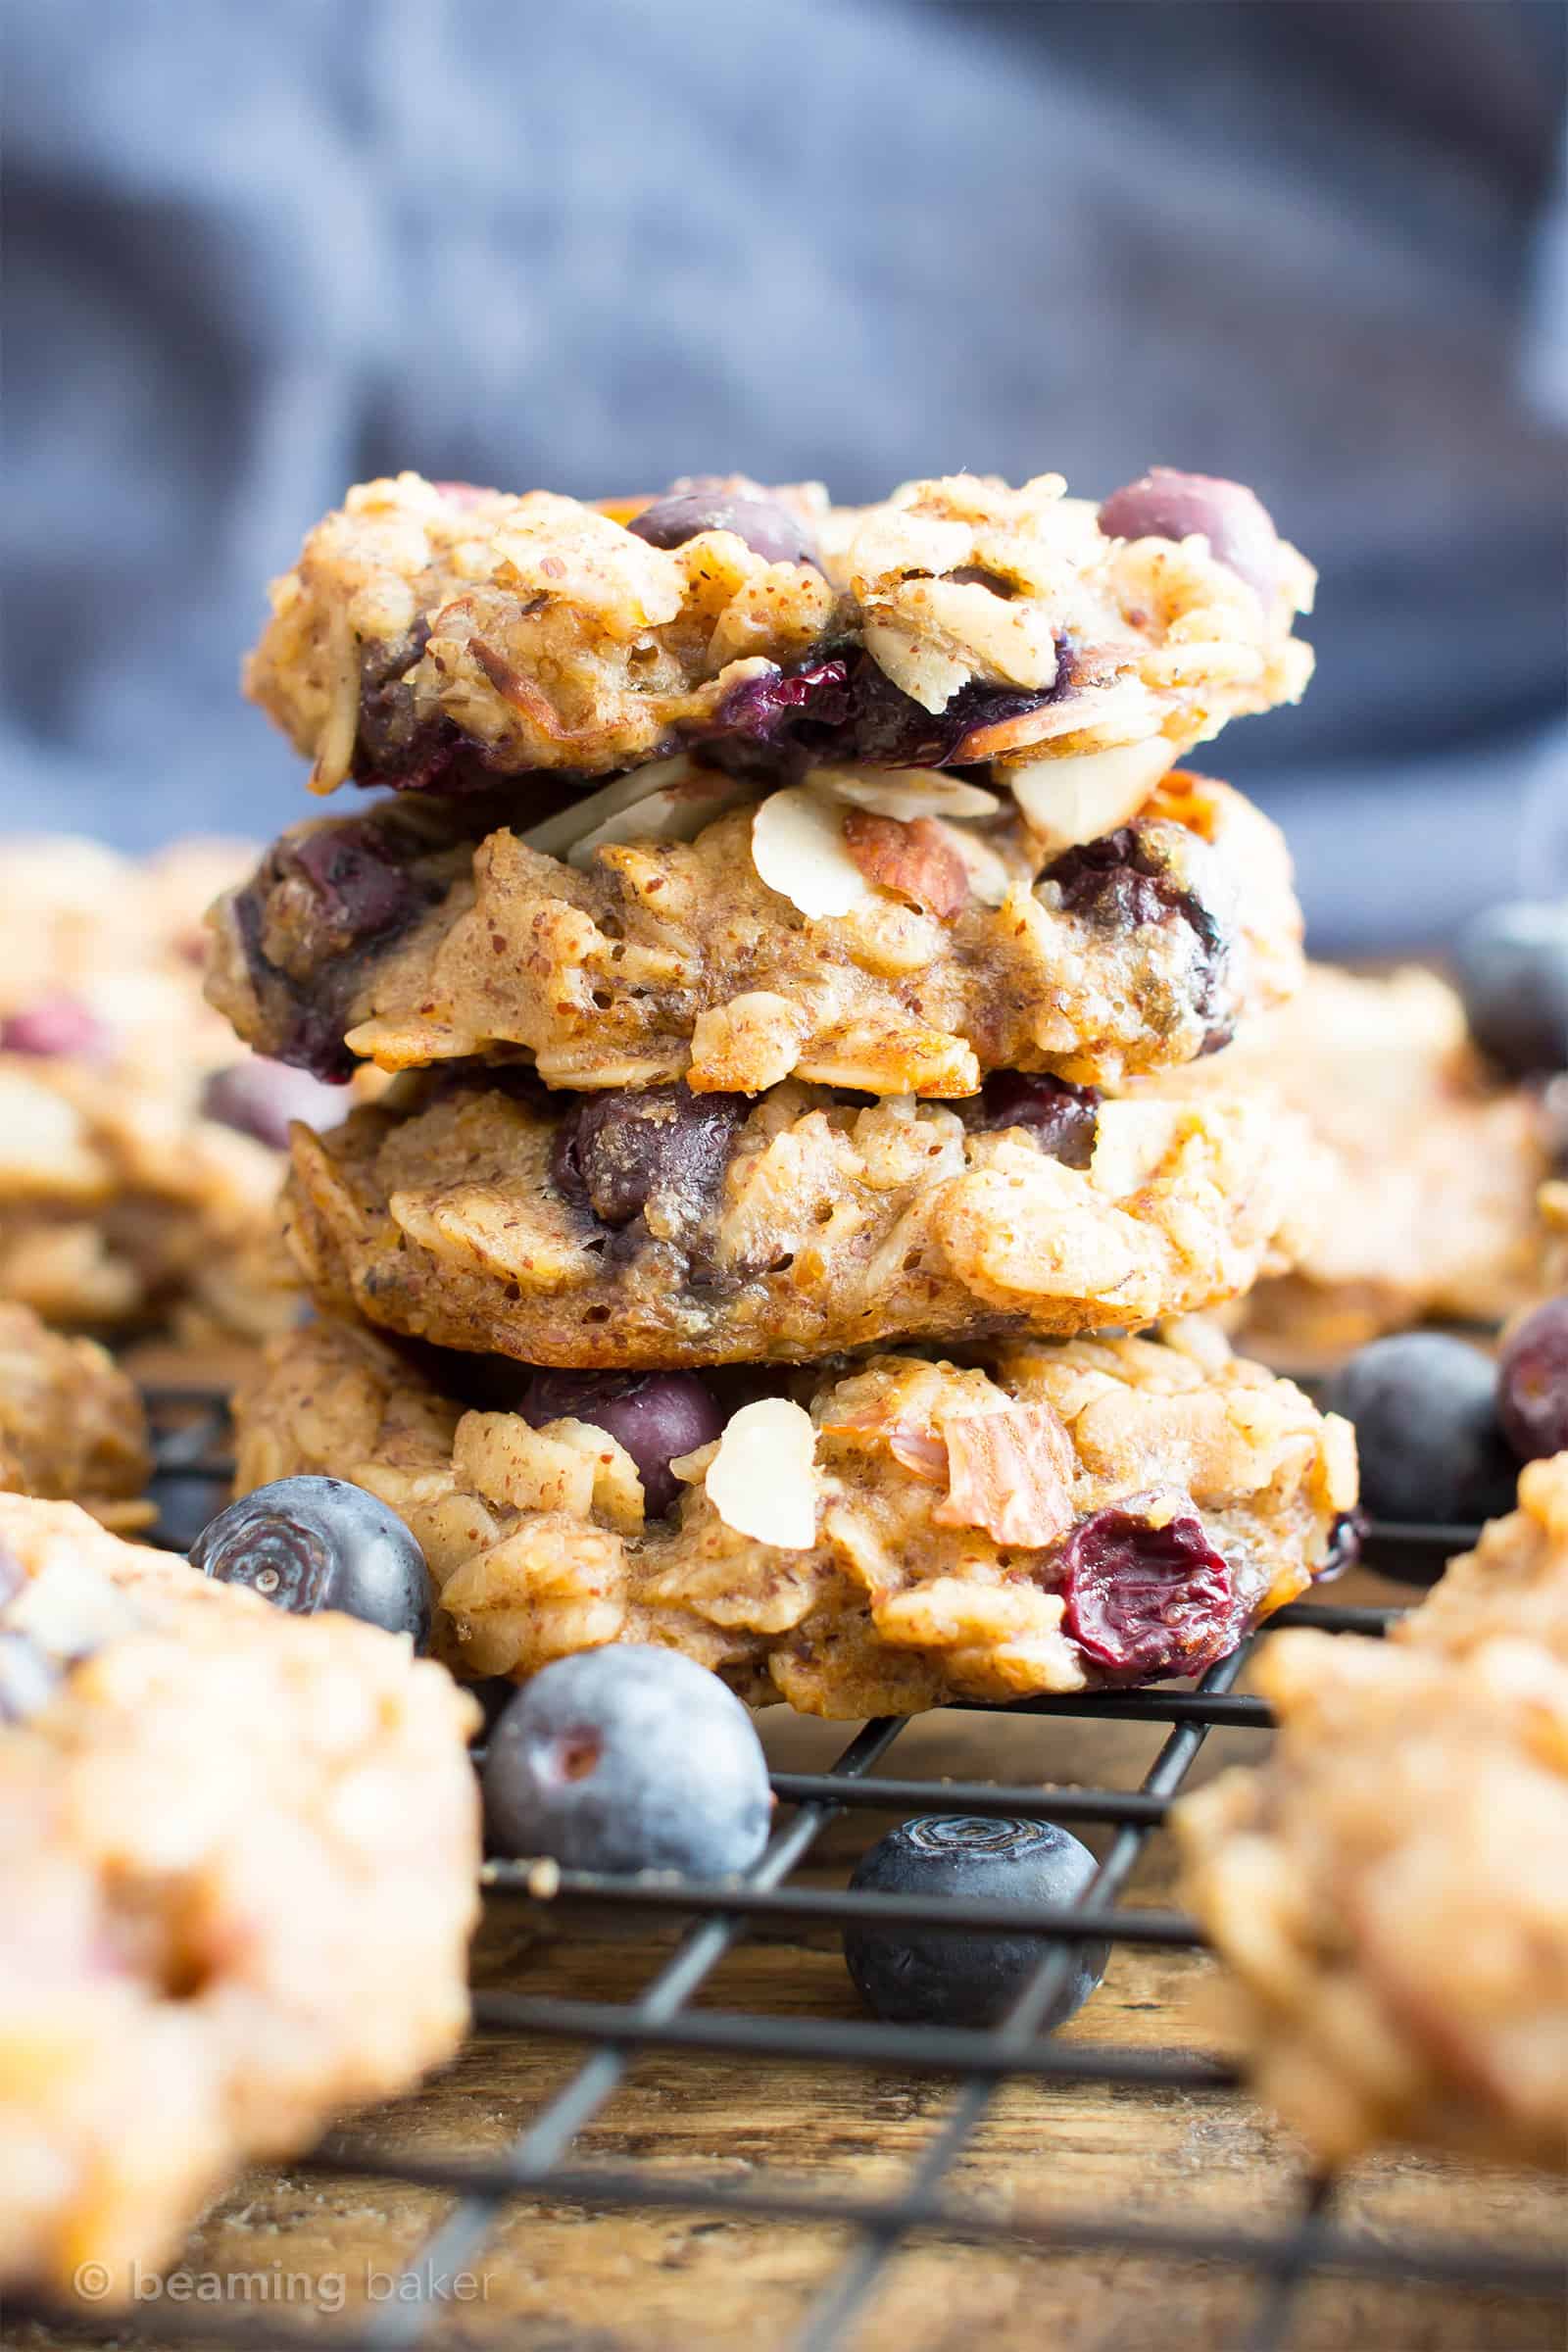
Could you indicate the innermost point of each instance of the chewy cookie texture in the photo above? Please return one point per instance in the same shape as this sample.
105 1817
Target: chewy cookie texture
905 1531
776 915
1391 1891
239 1852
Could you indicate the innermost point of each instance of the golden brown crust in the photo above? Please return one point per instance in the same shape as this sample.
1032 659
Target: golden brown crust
239 1852
71 1426
1391 1889
828 1227
669 960
890 1597
543 634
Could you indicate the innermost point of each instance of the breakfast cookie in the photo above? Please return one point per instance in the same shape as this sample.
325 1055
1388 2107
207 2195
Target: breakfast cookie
660 1228
1391 1893
1431 1166
891 1536
239 1854
71 1426
802 934
138 1144
439 633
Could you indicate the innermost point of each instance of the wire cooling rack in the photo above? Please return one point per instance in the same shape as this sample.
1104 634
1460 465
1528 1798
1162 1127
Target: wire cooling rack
191 1439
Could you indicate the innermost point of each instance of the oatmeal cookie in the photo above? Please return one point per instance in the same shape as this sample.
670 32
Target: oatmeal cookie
660 1228
1430 1168
439 633
1390 1892
1513 1586
637 962
72 1427
139 1146
891 1537
239 1851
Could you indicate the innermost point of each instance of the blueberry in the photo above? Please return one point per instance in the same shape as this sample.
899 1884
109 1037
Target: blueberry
308 1544
658 1416
1062 1118
1512 970
59 1024
614 1150
1533 1383
1166 505
1426 1427
933 1977
1146 1598
628 1758
708 503
261 1097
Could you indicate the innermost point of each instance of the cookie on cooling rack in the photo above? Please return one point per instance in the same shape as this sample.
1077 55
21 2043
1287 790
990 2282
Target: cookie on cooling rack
435 631
658 1228
1391 1889
239 1853
1429 1166
876 1540
899 934
138 1147
71 1426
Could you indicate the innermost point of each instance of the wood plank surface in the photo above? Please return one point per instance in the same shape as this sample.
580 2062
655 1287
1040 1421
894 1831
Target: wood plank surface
553 2278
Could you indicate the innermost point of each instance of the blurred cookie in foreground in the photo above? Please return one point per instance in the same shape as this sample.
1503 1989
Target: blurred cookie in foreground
139 1148
1391 1889
72 1427
239 1850
873 1537
1431 1166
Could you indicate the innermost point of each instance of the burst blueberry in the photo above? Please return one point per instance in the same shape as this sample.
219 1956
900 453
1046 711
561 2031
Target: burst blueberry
968 1977
310 1544
628 1758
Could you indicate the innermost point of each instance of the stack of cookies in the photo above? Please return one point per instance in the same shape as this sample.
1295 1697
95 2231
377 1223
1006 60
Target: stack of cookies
790 925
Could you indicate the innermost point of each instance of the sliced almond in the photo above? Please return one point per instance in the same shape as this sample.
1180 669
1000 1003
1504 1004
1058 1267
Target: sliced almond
1131 1141
1079 798
763 1479
677 782
799 849
1010 1473
990 877
903 791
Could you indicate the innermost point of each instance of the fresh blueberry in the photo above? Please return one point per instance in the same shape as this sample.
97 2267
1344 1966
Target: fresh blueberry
1166 505
658 1416
308 1544
1512 969
263 1098
936 1977
1145 1599
628 1758
1426 1426
708 503
1533 1383
59 1024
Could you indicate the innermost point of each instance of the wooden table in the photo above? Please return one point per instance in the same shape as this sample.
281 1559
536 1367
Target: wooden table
553 2278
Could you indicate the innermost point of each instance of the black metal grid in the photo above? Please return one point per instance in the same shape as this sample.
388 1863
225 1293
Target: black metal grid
191 1438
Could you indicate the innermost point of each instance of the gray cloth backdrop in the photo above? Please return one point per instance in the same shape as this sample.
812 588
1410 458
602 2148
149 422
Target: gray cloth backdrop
255 252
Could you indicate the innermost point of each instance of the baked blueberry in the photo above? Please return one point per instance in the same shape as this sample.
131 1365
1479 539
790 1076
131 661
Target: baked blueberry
1533 1383
628 1758
1148 1598
1426 1425
308 1543
1164 503
710 502
658 1416
1512 969
942 1977
1061 1117
58 1024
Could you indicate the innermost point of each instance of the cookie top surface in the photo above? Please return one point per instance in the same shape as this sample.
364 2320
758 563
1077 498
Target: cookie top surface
882 1538
438 632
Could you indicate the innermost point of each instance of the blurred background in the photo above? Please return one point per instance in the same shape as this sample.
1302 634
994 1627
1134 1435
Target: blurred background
256 253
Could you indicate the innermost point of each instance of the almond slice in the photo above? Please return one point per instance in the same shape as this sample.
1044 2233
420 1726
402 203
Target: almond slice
1010 1473
678 783
903 791
1079 798
799 849
763 1479
990 879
